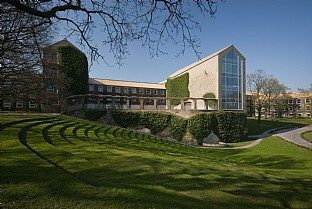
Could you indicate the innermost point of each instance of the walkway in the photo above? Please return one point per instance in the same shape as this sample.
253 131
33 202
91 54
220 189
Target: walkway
294 136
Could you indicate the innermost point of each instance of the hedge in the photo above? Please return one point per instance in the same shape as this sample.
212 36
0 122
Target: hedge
228 126
178 87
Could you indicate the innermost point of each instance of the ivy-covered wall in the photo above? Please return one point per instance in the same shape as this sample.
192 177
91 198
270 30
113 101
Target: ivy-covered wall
74 66
178 87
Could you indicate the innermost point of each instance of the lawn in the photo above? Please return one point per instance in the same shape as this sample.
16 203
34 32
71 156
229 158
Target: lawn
61 162
255 128
307 136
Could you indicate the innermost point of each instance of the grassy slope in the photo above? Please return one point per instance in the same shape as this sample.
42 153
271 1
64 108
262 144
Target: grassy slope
307 136
121 170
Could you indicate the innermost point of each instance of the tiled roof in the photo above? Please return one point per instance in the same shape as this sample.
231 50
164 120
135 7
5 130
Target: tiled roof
108 82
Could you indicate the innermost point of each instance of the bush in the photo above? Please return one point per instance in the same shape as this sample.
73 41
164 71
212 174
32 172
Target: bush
126 118
94 115
232 126
155 121
178 127
201 124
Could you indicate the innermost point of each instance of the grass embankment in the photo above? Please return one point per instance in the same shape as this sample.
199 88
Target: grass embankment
307 136
69 163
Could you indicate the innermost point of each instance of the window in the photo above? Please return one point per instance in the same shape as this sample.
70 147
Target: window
275 102
126 90
100 88
91 87
290 101
32 104
32 95
109 89
308 101
298 101
133 100
308 108
117 89
290 108
117 99
155 92
161 101
109 99
6 104
141 91
133 90
232 81
19 104
275 109
148 91
162 92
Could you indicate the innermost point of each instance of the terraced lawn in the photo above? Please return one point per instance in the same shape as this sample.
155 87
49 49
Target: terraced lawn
50 161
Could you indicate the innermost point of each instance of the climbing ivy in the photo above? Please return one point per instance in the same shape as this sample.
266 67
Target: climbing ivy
74 66
211 103
178 87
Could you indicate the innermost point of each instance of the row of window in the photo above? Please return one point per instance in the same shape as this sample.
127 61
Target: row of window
108 99
299 101
126 90
18 104
307 108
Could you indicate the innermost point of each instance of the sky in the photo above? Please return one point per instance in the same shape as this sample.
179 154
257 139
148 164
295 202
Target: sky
273 35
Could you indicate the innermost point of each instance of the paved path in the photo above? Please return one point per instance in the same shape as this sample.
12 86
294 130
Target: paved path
293 136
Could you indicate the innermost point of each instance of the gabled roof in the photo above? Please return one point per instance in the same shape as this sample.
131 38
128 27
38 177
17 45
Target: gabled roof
108 82
63 42
189 67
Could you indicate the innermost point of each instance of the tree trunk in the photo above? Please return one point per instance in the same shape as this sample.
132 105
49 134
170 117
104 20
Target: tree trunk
259 113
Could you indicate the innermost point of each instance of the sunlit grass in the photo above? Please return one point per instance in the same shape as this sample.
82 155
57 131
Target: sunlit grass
307 136
115 168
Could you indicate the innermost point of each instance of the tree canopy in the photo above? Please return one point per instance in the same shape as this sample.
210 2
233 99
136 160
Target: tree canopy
153 22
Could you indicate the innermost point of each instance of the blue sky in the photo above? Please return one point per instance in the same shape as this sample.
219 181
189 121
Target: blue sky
273 35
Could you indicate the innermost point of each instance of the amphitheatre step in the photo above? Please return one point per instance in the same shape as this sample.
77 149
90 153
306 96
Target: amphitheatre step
6 125
47 128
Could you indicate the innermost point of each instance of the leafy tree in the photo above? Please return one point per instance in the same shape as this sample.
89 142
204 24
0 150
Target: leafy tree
153 22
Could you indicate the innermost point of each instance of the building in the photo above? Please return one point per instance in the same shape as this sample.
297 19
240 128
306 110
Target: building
222 74
289 105
65 73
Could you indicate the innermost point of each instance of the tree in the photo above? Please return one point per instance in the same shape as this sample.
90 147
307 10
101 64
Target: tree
153 22
264 88
271 90
256 84
21 38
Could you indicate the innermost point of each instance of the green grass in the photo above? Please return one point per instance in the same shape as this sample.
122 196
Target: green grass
255 128
90 165
307 136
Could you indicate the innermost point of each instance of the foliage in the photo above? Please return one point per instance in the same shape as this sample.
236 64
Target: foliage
155 121
153 23
94 115
232 126
74 65
126 118
178 127
210 95
178 87
201 125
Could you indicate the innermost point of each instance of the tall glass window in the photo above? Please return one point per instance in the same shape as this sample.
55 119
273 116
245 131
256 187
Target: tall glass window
232 87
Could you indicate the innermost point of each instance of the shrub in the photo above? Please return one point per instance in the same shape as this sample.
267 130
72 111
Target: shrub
178 87
232 126
126 118
155 121
201 124
94 115
178 127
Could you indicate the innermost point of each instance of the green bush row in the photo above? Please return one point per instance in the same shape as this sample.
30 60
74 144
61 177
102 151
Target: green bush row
229 126
178 87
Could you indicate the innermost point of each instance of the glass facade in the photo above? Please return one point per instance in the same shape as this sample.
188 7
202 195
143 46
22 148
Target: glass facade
232 86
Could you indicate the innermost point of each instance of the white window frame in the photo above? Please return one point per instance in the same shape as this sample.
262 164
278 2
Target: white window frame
141 91
308 108
162 92
117 89
290 101
91 87
109 89
19 104
32 104
6 104
133 90
307 101
126 90
155 92
148 91
100 88
298 101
